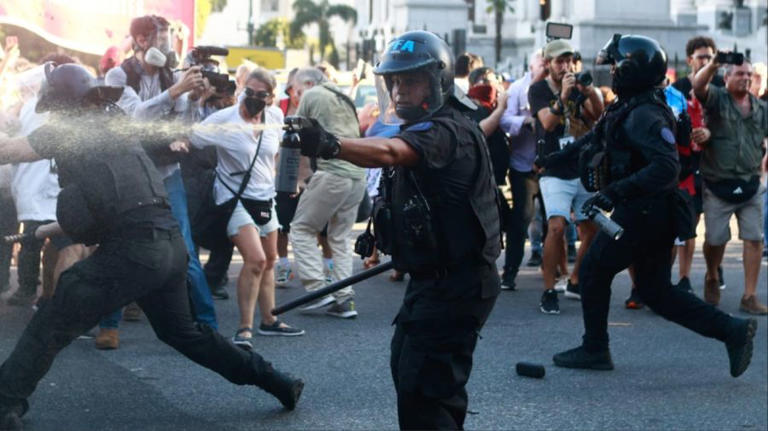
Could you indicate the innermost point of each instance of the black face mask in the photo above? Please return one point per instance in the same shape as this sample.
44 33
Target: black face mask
254 106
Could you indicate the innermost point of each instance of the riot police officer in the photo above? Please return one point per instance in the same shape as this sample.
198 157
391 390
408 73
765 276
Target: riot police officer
439 221
630 159
112 195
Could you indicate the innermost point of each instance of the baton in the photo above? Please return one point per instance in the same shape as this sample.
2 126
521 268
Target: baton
333 287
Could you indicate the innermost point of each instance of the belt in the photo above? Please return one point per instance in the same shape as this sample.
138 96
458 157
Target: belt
147 233
438 273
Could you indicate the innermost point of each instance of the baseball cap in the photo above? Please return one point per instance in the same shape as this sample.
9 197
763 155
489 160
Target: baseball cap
556 48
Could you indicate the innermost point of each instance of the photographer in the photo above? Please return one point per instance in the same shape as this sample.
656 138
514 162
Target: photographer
730 166
631 160
151 93
565 110
245 154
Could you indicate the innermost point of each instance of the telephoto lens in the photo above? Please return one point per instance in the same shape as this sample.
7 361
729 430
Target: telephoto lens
529 369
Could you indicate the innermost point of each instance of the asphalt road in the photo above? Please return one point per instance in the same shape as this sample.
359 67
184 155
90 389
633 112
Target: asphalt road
666 377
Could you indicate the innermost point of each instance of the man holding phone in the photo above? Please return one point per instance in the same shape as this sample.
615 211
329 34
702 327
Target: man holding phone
730 166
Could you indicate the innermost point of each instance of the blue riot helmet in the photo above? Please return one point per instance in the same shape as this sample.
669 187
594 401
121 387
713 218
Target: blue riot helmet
419 51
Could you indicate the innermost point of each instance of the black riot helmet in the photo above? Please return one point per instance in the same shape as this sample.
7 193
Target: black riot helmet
641 63
71 88
416 51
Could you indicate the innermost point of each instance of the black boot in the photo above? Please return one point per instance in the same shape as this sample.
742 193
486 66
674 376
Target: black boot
581 358
739 345
284 387
11 413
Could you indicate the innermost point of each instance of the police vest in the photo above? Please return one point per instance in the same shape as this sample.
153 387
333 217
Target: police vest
427 232
606 158
102 184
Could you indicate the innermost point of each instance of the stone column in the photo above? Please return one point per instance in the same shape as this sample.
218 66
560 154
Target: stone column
684 11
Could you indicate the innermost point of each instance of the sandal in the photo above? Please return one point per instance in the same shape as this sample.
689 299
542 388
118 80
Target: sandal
397 276
370 263
243 342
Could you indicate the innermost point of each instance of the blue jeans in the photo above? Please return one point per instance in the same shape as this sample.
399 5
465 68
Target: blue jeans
199 293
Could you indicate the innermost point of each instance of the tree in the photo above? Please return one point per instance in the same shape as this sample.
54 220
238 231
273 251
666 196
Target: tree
266 34
498 7
308 12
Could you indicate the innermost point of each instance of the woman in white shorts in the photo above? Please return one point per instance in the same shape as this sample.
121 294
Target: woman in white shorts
237 141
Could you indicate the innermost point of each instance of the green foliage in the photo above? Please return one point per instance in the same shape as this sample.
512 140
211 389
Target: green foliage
218 5
499 6
307 12
266 34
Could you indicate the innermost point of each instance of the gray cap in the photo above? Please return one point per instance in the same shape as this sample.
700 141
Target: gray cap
556 48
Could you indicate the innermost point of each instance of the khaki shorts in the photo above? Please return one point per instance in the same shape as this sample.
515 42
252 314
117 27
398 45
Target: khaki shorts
718 212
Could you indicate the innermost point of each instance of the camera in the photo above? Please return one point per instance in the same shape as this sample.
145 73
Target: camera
201 56
736 58
584 78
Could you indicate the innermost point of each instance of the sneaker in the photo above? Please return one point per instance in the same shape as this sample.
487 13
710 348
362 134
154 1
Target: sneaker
712 291
328 271
241 341
535 259
218 291
19 299
739 346
752 306
549 303
283 386
634 302
107 339
573 291
508 282
721 277
685 285
345 310
283 274
277 329
318 303
571 253
132 313
561 285
581 358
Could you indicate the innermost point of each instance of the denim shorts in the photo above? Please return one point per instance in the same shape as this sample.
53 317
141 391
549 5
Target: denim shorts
561 196
240 218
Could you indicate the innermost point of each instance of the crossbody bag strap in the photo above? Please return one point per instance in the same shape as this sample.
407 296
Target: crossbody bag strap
247 174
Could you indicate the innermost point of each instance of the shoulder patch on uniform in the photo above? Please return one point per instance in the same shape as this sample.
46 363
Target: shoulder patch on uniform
420 127
667 135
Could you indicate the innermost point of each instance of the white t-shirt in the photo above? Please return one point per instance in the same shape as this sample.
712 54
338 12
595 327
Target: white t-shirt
236 142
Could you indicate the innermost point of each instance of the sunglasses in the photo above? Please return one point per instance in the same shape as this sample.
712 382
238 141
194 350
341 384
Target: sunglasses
249 92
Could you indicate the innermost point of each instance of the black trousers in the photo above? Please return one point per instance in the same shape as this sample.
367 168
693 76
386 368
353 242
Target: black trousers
151 271
431 358
524 187
647 243
217 266
29 259
8 226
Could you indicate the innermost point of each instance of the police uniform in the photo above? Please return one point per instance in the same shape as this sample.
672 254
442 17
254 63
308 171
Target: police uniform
113 195
630 158
453 278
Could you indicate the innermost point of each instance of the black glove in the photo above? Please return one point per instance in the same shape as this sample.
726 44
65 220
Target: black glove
317 142
601 199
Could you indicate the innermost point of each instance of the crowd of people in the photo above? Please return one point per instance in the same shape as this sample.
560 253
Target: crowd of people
211 157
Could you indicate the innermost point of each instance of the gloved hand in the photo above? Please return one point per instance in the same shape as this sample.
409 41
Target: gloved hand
317 142
602 199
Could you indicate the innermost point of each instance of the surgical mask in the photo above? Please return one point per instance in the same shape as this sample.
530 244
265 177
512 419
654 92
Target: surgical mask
254 106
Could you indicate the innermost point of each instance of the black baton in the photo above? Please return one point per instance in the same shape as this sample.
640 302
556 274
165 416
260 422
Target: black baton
333 287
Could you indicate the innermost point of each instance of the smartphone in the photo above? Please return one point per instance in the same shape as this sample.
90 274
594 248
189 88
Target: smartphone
557 30
360 69
736 58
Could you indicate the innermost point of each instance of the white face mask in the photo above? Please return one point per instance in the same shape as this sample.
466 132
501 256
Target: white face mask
155 57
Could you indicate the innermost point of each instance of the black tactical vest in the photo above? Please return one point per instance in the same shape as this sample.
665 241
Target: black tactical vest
434 228
103 179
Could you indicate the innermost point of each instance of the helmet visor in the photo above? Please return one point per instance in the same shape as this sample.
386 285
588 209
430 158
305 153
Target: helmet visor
387 114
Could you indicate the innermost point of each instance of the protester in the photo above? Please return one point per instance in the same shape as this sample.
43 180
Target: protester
331 197
246 162
730 166
465 63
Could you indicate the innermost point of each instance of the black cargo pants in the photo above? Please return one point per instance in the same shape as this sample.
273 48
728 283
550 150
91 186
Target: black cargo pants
647 243
148 267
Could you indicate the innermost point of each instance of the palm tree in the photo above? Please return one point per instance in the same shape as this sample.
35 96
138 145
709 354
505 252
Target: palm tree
308 12
499 7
